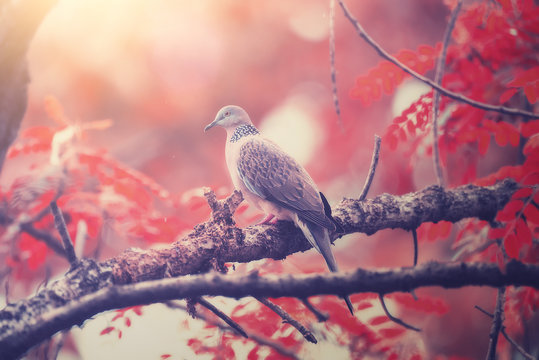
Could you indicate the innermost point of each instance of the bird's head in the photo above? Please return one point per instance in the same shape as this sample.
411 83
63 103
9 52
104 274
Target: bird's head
230 117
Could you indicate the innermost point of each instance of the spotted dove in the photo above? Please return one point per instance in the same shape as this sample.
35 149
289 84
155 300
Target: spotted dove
274 182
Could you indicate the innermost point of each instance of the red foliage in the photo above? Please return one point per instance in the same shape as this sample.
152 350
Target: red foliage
109 206
386 77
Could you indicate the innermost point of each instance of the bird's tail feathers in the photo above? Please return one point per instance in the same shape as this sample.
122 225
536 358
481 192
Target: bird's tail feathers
308 234
318 236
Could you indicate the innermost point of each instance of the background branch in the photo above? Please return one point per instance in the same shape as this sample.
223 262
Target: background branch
453 95
440 65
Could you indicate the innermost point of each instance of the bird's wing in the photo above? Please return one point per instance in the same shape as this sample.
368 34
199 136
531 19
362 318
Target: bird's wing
275 176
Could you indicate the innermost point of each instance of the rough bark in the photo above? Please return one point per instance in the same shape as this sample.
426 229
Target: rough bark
124 280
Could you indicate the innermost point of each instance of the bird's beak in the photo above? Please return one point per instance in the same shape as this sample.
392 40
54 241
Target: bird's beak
210 126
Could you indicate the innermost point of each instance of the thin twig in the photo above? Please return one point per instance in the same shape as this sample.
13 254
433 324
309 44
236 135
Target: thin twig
55 351
496 324
372 168
440 65
307 334
64 234
320 316
456 96
332 62
519 348
258 339
416 250
484 311
395 319
234 325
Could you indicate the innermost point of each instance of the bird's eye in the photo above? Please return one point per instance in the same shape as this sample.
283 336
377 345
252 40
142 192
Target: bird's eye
227 113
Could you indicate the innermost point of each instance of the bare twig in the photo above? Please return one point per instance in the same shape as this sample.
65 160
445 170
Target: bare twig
519 348
483 311
234 325
456 96
320 316
64 234
393 318
307 334
372 168
496 324
416 250
259 339
56 348
440 65
332 61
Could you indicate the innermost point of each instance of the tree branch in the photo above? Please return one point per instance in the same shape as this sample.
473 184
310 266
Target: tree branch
92 287
453 95
24 324
287 318
438 80
497 322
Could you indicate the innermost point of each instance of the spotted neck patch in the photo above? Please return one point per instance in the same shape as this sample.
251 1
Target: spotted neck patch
243 130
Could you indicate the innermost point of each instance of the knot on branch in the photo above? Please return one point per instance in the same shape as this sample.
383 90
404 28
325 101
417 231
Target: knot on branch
223 210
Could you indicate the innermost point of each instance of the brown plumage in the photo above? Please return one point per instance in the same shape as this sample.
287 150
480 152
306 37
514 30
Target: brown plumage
276 183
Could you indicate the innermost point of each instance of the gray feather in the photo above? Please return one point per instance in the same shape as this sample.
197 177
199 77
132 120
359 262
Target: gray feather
275 176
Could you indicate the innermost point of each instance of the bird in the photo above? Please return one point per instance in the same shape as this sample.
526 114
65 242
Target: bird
274 182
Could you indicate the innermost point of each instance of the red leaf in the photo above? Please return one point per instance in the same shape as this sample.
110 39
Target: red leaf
522 193
530 90
106 330
523 232
378 320
137 310
483 141
498 233
424 303
531 145
529 128
40 133
507 94
512 247
127 322
392 332
531 213
510 210
165 356
363 305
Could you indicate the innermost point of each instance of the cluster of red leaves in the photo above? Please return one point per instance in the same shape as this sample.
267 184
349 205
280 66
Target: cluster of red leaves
413 120
489 60
386 77
121 314
94 189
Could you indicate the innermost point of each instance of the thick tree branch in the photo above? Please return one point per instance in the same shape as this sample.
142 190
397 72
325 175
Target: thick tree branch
31 328
94 287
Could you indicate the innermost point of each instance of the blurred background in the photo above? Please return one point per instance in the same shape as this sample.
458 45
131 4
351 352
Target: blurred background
160 70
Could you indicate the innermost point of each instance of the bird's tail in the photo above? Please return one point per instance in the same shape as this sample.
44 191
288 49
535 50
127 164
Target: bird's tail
318 236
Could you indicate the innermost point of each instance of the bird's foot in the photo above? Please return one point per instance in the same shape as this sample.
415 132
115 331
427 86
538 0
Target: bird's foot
267 220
